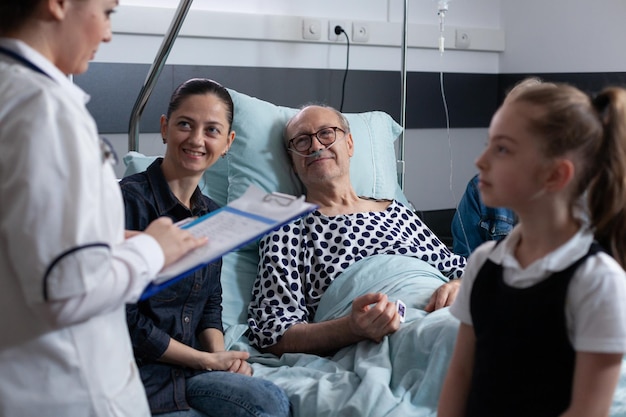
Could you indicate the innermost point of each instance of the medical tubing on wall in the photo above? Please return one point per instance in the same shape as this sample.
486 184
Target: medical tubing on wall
403 82
442 8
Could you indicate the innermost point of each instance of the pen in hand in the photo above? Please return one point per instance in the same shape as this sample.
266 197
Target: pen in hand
183 222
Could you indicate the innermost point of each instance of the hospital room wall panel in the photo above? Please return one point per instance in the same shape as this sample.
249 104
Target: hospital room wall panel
432 179
470 98
293 73
427 161
564 42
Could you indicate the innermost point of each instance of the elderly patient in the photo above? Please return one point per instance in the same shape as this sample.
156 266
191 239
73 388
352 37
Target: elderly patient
300 261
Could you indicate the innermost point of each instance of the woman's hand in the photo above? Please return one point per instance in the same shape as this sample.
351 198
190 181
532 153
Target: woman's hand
241 367
229 360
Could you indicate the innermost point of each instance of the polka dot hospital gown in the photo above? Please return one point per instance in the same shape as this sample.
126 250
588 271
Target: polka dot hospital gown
300 260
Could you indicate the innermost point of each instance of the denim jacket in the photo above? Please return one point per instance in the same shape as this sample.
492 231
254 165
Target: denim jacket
474 223
179 311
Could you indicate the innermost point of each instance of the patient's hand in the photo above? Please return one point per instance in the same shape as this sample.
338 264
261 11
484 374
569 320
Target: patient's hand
373 316
443 296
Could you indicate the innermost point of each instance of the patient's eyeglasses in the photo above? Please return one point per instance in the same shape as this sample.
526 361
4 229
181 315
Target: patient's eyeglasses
302 143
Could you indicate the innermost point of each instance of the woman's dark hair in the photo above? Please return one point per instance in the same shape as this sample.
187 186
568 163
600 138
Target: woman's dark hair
594 131
200 86
13 13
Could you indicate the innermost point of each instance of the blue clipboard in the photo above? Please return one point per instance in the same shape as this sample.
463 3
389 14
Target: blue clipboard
229 228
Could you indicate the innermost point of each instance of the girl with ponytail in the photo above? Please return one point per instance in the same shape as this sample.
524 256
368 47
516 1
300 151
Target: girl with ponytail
543 317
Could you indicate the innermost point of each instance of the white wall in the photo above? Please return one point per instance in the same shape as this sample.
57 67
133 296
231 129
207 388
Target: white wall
563 36
541 36
141 45
427 153
439 160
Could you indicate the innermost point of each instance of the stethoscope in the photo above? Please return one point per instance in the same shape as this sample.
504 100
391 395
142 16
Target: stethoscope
108 152
19 58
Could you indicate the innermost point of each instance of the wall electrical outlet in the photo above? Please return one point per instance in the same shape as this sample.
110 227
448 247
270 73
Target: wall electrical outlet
462 39
331 30
360 32
311 29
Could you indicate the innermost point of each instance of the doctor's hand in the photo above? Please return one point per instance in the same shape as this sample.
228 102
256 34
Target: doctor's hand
174 241
443 296
373 317
130 233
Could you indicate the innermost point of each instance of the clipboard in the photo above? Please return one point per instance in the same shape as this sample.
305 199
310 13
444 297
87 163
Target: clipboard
240 222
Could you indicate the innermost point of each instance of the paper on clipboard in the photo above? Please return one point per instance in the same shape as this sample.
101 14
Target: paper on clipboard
228 228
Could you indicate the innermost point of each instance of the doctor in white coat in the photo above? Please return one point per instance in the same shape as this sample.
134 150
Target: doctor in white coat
67 267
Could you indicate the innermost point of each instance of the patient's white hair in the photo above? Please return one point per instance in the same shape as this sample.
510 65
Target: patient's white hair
343 121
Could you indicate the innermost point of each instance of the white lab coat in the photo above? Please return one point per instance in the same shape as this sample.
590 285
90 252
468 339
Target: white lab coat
66 271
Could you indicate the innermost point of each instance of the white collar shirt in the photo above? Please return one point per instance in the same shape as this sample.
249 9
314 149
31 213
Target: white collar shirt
595 311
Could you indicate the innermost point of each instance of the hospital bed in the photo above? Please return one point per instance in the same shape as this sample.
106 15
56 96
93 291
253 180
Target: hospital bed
401 376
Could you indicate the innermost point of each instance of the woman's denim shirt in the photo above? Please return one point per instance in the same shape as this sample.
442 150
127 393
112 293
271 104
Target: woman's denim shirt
181 310
474 223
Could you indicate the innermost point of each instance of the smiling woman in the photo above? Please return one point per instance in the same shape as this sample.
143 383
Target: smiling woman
197 131
180 360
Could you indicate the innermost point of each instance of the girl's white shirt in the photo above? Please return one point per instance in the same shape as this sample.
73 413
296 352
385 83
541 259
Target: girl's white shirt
595 307
67 271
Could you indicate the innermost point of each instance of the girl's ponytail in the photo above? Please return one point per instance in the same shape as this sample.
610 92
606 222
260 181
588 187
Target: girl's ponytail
607 190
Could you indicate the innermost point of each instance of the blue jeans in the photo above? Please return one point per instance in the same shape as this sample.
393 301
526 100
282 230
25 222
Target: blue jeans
226 394
474 223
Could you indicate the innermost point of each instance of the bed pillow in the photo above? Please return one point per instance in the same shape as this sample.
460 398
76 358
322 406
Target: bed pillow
257 156
214 182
